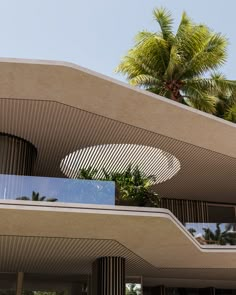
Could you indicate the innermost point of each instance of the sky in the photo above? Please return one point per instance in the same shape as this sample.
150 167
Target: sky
97 33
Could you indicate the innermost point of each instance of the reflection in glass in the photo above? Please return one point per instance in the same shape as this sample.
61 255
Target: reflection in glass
45 292
221 234
133 289
67 190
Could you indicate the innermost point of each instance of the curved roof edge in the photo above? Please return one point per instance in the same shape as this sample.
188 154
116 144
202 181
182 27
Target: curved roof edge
75 66
78 87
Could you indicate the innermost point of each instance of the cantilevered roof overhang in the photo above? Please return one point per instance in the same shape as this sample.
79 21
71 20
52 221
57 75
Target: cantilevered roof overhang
64 238
61 108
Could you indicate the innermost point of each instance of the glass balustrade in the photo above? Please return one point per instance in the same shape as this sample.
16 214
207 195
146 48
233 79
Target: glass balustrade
221 234
67 190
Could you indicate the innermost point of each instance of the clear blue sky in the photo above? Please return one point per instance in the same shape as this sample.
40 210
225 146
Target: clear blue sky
96 33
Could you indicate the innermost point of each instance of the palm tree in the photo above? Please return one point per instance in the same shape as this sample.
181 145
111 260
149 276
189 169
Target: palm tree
219 237
36 197
192 231
180 66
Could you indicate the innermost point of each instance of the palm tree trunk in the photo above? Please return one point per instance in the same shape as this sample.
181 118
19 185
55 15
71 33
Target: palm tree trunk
174 97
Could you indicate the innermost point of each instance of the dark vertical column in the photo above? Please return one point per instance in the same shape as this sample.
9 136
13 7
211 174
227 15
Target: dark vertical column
17 155
108 276
20 280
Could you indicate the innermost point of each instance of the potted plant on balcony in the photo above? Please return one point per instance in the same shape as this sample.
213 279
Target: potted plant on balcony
133 187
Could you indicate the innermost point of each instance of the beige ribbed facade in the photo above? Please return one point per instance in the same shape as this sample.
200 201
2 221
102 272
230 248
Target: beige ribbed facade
98 111
57 110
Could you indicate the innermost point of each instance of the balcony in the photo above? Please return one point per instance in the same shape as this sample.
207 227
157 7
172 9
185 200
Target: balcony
13 187
66 190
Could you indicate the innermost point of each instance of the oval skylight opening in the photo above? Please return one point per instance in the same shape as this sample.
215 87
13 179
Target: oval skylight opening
117 157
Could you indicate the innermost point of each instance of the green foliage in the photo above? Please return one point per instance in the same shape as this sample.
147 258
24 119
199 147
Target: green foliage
180 66
88 173
230 113
36 197
219 237
132 289
132 186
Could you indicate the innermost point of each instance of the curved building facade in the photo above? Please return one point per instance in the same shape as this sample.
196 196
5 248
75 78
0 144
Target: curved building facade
67 235
17 156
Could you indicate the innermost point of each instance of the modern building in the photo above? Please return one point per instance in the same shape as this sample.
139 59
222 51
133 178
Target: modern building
57 118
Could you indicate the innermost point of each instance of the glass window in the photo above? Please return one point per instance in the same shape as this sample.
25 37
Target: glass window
221 214
225 292
7 284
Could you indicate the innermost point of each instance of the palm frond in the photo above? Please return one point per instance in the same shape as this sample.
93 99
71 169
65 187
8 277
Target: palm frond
143 36
223 85
51 199
184 22
215 85
230 113
147 57
87 173
165 21
23 198
35 196
145 81
207 52
200 100
178 45
162 91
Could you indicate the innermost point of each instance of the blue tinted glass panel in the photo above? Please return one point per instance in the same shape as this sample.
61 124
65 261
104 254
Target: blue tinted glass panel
63 189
